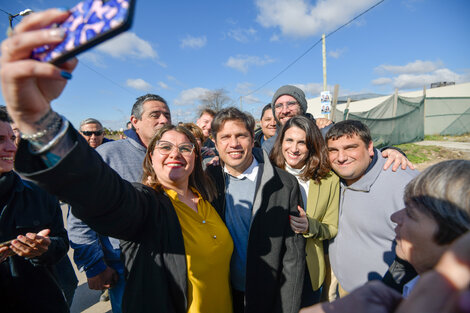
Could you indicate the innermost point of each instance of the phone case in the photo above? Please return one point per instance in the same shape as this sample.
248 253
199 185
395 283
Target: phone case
90 23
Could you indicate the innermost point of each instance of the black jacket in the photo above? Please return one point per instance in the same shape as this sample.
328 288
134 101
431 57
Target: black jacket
30 285
145 221
275 255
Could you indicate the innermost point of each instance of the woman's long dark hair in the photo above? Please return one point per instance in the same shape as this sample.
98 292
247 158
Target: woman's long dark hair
317 164
198 178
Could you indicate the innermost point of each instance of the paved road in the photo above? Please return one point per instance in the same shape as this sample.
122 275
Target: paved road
461 146
85 299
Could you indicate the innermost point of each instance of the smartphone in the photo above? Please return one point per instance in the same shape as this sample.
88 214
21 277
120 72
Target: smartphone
5 243
91 22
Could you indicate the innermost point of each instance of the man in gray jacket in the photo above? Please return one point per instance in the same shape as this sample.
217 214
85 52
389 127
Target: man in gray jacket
363 249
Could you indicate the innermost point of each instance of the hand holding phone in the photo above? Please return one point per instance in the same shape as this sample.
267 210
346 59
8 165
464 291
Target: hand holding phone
90 23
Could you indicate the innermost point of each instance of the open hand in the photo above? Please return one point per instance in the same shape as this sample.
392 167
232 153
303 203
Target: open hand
398 159
31 245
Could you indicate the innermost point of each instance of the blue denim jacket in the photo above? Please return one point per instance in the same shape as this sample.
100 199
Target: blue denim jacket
92 251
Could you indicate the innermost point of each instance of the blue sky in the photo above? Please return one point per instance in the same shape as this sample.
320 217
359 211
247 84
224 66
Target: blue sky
182 49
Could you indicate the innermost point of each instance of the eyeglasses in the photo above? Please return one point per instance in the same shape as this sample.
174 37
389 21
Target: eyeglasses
165 148
89 133
289 104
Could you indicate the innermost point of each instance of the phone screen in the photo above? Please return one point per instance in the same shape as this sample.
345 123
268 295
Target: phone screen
90 23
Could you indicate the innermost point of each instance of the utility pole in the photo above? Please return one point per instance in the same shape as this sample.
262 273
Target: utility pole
324 61
12 16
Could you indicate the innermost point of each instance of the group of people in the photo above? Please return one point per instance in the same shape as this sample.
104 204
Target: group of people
303 211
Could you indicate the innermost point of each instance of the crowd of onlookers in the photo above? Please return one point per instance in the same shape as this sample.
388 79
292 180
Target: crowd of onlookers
217 216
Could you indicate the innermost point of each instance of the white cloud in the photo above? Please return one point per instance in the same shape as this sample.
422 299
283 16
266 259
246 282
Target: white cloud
94 58
128 44
243 62
382 81
193 42
417 74
410 81
138 84
300 18
163 85
274 37
312 89
416 67
244 89
182 115
335 54
242 34
190 96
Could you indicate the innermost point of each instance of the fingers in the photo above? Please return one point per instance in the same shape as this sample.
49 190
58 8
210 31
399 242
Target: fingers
44 232
69 65
31 245
388 160
301 211
42 19
298 224
25 69
20 46
397 163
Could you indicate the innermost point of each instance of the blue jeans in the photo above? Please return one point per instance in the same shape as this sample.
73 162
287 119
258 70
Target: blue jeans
115 294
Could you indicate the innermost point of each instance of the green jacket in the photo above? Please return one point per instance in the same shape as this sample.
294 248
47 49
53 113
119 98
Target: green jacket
322 213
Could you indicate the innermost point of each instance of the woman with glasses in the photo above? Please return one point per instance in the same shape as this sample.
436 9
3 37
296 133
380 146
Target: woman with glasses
301 150
176 248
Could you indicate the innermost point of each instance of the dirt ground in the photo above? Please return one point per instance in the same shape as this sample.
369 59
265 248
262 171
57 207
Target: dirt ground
450 150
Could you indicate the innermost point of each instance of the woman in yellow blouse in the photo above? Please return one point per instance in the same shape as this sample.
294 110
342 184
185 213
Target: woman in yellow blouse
301 150
173 166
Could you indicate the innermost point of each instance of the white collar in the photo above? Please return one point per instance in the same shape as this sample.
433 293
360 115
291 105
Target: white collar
251 172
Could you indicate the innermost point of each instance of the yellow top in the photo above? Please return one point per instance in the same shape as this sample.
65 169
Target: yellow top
208 247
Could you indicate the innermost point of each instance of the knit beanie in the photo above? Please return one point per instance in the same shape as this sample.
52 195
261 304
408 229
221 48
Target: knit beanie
292 91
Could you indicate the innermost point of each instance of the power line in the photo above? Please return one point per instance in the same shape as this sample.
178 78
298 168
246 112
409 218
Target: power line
108 79
310 48
5 12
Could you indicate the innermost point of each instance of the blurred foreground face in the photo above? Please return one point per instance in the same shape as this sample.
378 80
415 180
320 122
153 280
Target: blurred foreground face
268 124
7 148
415 238
204 122
93 134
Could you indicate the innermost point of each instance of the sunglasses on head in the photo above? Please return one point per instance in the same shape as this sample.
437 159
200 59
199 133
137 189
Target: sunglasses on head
96 133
